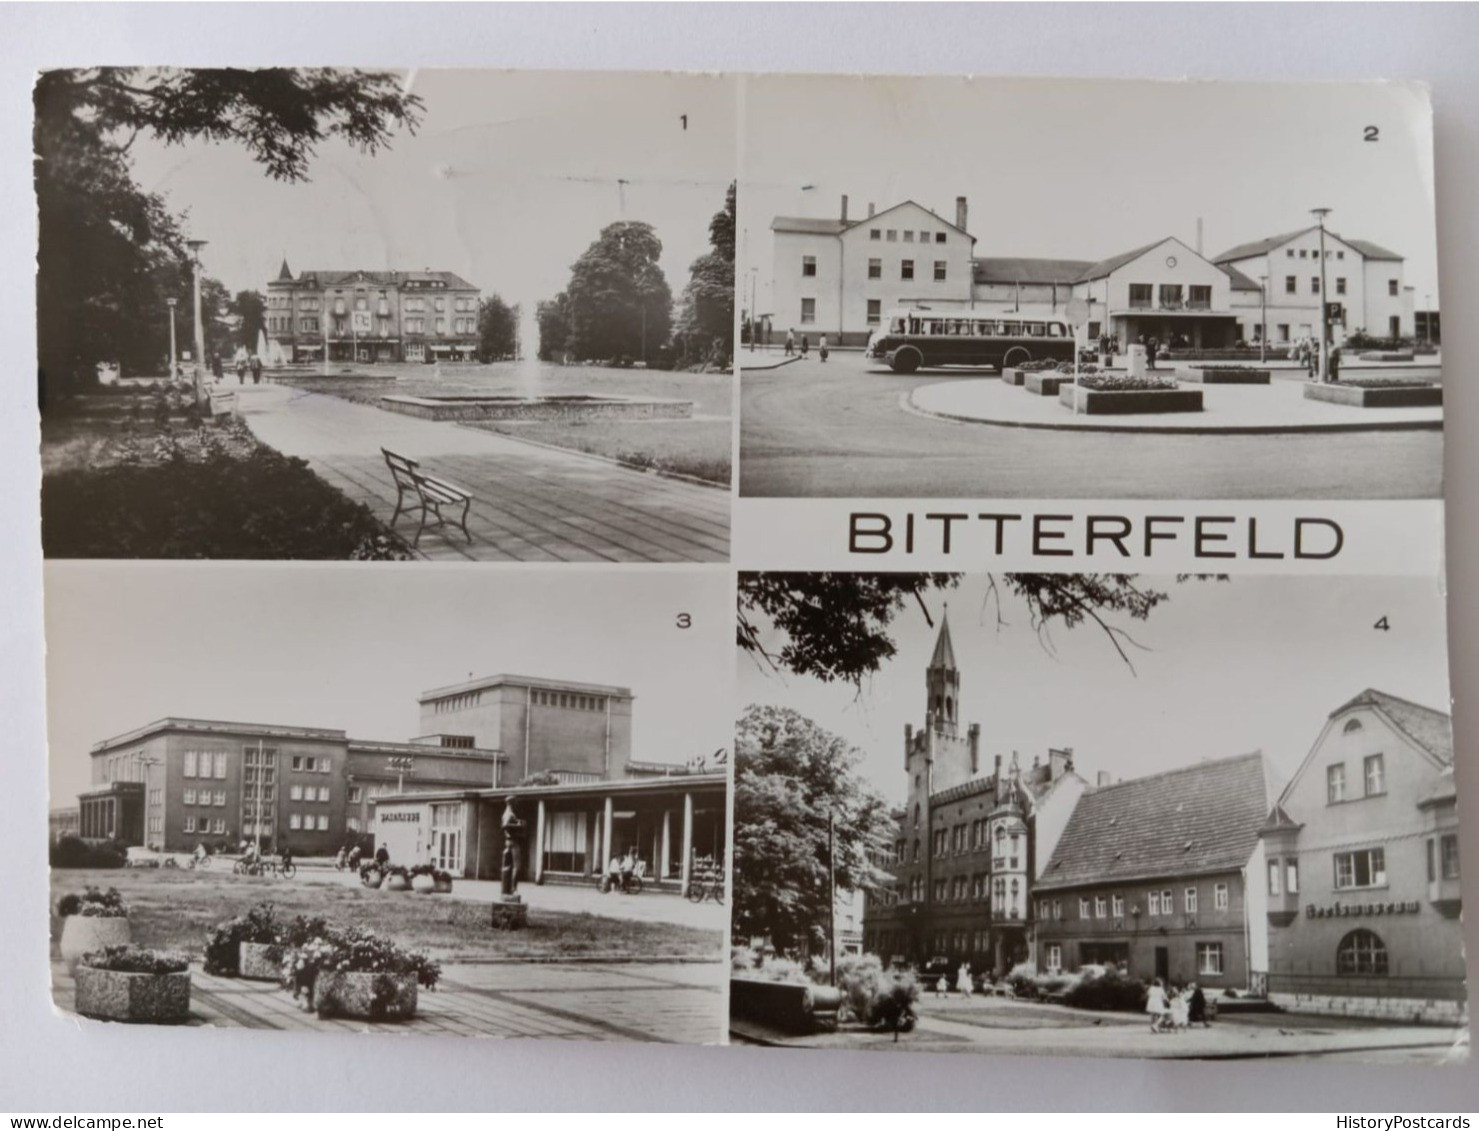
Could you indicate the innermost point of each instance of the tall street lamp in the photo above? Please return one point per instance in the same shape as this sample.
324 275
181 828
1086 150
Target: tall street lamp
1320 214
195 246
1262 319
172 364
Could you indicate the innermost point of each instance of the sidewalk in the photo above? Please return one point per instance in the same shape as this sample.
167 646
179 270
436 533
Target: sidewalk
586 1002
530 502
1249 409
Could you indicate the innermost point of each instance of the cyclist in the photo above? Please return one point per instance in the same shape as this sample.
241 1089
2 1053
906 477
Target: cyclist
199 852
287 858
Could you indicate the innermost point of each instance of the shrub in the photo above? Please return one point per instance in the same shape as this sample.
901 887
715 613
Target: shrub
778 969
878 997
355 950
132 959
1110 990
1023 980
1124 383
223 944
301 929
1037 366
742 960
93 903
74 852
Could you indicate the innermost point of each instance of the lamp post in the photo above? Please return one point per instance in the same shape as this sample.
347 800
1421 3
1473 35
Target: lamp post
172 303
195 246
1262 319
1320 214
402 766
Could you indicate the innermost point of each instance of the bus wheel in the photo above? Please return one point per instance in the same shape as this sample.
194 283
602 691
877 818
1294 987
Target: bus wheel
1015 356
906 361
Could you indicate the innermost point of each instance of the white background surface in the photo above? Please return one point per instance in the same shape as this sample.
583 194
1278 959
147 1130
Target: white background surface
49 1064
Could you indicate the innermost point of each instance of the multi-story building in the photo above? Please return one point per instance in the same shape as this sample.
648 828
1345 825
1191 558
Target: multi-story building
1365 286
969 844
1158 875
838 276
1362 872
66 821
370 316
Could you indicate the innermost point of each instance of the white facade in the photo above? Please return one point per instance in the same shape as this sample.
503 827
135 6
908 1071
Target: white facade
838 277
1370 289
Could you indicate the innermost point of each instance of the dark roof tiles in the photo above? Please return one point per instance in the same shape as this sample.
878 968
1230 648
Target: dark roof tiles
1430 729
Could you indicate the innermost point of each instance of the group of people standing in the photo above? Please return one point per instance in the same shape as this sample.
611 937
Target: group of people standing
1306 352
791 346
245 364
1171 1009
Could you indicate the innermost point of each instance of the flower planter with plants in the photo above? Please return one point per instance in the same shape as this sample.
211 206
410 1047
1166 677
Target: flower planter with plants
371 874
1226 375
248 946
357 974
1378 392
134 984
1098 394
92 920
427 880
397 878
1049 382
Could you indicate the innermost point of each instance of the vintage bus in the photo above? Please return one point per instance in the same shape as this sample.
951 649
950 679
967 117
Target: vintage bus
909 339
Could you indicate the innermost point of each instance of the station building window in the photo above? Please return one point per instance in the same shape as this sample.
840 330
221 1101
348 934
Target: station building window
1361 952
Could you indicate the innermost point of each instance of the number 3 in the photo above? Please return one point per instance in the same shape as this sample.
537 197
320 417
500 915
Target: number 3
1373 134
685 621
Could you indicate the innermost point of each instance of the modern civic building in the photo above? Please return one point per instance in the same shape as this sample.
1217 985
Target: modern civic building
1160 876
839 276
969 844
370 316
1363 868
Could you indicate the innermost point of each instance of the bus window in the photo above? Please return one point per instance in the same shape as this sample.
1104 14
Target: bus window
897 325
985 329
1036 329
959 328
1010 329
1055 329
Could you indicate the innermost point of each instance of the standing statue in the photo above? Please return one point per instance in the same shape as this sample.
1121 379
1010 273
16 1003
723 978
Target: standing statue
513 849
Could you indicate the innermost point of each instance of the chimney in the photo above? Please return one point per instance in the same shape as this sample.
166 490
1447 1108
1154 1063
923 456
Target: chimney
960 214
844 208
1059 762
1199 235
973 735
1102 779
870 210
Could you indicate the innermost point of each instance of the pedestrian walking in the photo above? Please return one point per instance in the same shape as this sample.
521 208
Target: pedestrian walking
790 342
963 981
1155 1005
241 370
805 345
822 347
216 367
1180 1009
255 365
1197 1007
1313 353
1334 366
942 984
1151 347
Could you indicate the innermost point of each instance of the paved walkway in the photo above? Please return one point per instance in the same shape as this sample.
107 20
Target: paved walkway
530 503
1279 406
664 1002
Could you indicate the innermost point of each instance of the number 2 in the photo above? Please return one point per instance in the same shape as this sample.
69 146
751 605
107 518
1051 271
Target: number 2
1372 133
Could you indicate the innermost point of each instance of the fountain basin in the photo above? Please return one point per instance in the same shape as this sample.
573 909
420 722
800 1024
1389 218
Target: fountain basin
575 407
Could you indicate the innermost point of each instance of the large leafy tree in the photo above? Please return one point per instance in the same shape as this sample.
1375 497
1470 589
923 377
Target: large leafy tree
553 318
792 779
248 310
837 626
618 302
706 318
498 330
110 254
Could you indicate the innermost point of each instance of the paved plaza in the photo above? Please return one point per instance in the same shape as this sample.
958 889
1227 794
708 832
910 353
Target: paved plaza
846 429
597 1001
998 1026
531 503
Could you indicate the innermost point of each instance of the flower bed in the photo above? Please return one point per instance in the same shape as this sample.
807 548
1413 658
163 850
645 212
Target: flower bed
92 920
1387 355
1377 393
132 984
355 973
1125 395
428 880
1047 384
1243 353
243 946
1226 375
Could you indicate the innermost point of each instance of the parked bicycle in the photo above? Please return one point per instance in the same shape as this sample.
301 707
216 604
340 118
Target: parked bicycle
706 883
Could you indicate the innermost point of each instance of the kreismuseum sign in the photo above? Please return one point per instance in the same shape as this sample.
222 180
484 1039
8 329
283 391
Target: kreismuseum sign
1344 910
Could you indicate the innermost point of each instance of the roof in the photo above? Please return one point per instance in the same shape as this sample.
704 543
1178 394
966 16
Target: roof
833 226
1279 820
1428 728
1201 819
284 275
716 781
1263 247
1240 282
217 727
1115 262
1018 269
944 656
336 278
1445 790
504 679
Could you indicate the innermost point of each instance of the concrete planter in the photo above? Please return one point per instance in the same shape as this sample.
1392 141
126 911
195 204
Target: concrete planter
372 879
397 883
1212 375
787 1006
1394 396
260 962
365 996
509 914
1014 376
442 887
144 999
1047 383
82 934
423 884
1102 402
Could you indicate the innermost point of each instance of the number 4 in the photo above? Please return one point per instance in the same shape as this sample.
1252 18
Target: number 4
1382 625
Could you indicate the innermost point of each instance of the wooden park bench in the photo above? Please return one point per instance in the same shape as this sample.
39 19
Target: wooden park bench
431 493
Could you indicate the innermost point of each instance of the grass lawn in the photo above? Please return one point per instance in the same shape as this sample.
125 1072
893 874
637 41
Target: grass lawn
700 447
175 909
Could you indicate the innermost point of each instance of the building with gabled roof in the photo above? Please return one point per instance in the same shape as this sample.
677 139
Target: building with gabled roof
1151 875
370 316
1364 899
